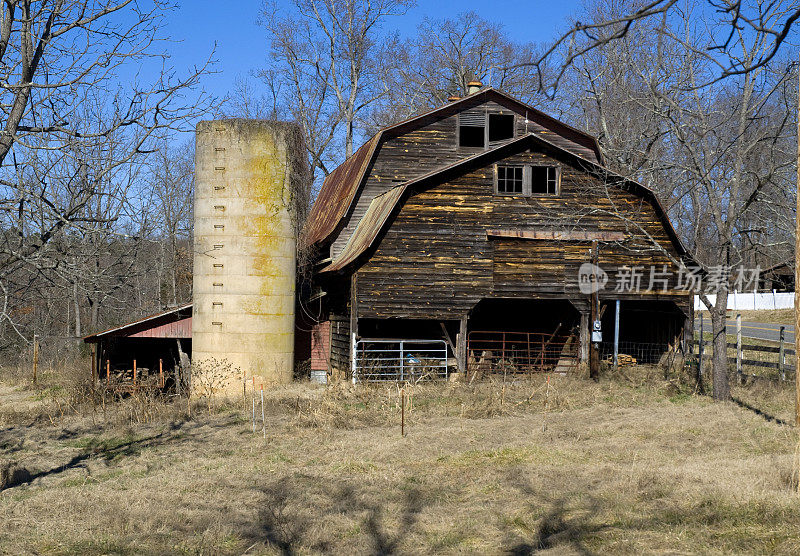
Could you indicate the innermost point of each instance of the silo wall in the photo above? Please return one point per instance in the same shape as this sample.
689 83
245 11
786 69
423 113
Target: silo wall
244 254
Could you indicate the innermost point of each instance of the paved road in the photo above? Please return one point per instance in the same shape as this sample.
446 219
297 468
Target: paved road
759 330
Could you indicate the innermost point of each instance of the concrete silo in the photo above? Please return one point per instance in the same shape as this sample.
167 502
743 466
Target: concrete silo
245 247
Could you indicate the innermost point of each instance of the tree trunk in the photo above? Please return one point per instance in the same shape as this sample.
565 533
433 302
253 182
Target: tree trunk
719 372
76 301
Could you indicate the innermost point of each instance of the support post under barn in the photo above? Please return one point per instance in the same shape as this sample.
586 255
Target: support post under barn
461 345
584 337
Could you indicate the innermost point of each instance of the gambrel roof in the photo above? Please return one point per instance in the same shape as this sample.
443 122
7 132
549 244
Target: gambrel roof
341 187
383 207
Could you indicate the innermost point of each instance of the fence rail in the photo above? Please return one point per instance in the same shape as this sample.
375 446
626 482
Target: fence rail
758 359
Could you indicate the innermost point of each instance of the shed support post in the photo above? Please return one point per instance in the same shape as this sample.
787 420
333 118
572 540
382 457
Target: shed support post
461 345
782 354
353 323
94 364
688 331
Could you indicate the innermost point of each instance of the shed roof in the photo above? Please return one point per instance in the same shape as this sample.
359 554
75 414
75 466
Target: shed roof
139 327
340 188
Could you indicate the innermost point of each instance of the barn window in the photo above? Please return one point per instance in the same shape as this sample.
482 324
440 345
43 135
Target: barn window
510 179
472 129
544 180
476 128
526 180
501 127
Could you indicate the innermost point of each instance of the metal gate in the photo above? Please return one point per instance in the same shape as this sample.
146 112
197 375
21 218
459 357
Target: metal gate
521 352
382 360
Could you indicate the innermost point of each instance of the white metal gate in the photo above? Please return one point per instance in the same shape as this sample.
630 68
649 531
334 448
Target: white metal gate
392 360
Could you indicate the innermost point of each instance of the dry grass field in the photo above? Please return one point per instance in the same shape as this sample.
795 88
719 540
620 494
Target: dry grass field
776 316
633 464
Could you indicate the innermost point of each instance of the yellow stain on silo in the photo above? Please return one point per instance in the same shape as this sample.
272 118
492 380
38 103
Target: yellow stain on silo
255 332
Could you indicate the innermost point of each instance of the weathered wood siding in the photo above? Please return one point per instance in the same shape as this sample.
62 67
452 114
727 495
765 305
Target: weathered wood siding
425 149
340 342
435 260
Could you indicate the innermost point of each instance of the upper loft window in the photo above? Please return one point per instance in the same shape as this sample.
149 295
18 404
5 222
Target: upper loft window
477 128
472 129
526 180
501 127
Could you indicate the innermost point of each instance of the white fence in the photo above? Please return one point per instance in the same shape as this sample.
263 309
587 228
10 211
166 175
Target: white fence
752 301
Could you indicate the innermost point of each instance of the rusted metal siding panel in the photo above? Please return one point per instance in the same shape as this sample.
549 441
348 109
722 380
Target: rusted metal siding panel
153 321
178 329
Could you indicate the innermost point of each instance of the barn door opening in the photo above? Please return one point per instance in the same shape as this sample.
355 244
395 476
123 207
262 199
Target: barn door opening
513 336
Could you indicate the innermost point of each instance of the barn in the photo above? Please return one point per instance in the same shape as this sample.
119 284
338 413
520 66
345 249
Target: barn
487 236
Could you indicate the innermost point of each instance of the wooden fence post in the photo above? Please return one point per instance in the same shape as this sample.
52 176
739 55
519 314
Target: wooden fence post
782 355
700 350
739 348
616 336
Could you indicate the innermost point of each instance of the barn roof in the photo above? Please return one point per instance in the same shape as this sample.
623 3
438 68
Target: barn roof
141 327
383 206
340 188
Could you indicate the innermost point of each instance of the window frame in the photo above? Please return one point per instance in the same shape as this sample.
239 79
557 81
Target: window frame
527 179
486 143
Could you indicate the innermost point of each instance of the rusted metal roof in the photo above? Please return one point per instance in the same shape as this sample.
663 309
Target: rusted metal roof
337 193
368 227
382 207
175 323
340 188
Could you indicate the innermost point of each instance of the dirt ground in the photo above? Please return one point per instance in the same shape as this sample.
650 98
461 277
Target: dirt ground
633 464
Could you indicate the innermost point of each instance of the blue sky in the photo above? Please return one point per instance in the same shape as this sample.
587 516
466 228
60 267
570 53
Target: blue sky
242 44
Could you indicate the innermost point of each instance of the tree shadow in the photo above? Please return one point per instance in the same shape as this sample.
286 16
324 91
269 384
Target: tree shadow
560 527
108 451
281 527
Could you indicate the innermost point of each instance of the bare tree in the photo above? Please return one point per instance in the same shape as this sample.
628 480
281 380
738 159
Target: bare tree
73 134
444 56
326 67
719 152
725 22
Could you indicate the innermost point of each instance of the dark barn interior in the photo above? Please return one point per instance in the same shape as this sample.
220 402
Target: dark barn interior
144 354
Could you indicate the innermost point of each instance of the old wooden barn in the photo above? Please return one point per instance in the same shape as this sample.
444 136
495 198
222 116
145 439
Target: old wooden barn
456 238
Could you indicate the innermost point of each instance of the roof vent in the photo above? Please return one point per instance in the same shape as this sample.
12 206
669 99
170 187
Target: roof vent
474 86
453 98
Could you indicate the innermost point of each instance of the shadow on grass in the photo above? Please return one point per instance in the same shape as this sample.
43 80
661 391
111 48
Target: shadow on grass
560 527
761 413
283 526
110 449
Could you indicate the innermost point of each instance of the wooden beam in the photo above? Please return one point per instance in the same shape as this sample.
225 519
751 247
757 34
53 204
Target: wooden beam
461 345
446 336
560 235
